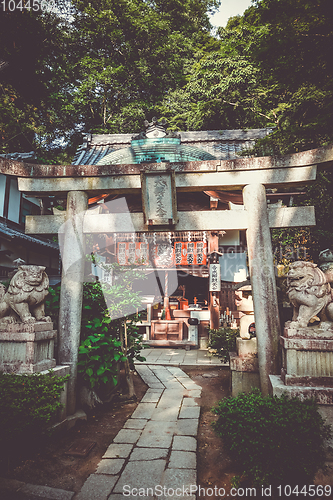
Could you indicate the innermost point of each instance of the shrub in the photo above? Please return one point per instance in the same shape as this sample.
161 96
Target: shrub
99 355
100 349
275 441
224 341
27 404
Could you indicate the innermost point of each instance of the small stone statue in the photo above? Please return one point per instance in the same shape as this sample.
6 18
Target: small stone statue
326 263
244 303
309 292
23 302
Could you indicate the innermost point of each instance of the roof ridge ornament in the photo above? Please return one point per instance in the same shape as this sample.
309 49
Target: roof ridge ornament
155 130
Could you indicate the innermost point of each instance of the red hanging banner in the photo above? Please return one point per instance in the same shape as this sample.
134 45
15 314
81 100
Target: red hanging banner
190 253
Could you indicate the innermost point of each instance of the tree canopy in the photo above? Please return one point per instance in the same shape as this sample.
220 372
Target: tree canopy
102 69
112 63
271 67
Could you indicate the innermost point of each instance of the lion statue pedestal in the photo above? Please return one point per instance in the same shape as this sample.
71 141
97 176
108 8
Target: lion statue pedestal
307 340
27 347
26 334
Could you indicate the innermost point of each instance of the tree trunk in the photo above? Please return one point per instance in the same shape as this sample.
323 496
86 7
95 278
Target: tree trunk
128 373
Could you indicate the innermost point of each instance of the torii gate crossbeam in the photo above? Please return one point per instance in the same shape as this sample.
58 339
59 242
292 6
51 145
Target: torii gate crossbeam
250 174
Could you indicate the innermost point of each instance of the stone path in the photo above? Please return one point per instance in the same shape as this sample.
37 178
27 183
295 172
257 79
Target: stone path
156 447
178 357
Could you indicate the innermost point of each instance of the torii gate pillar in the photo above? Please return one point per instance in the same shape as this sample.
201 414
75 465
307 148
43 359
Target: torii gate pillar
263 282
73 259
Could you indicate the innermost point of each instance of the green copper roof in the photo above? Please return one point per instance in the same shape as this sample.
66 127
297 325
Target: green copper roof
162 149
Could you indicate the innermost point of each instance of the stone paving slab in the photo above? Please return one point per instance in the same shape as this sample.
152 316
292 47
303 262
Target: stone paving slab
190 386
184 380
157 385
171 357
168 414
144 411
157 435
149 453
174 385
97 487
110 466
184 443
182 479
187 427
189 412
177 372
170 400
162 373
189 402
148 376
143 474
196 393
183 460
116 450
135 423
151 396
129 436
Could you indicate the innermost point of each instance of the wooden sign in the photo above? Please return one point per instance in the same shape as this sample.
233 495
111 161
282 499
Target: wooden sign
214 278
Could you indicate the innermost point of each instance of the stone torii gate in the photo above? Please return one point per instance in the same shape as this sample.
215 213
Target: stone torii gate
158 184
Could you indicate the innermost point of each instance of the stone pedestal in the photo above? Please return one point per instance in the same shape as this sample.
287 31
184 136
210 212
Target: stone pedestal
27 348
307 366
244 367
307 355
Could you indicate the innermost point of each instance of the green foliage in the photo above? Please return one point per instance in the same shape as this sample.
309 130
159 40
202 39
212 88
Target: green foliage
99 355
224 341
52 304
102 324
274 440
104 69
102 327
35 44
27 404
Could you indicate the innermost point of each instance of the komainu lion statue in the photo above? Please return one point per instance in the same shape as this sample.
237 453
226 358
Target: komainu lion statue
24 299
309 293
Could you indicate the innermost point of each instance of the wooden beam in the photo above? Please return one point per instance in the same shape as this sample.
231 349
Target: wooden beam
217 220
185 182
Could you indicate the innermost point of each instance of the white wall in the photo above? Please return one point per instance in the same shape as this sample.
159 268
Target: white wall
230 238
14 202
2 192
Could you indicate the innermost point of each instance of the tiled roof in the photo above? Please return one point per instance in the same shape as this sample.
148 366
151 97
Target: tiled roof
13 234
222 145
20 156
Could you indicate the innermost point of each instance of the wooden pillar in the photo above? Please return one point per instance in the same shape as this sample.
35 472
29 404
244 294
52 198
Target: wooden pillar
263 282
214 300
166 296
73 258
